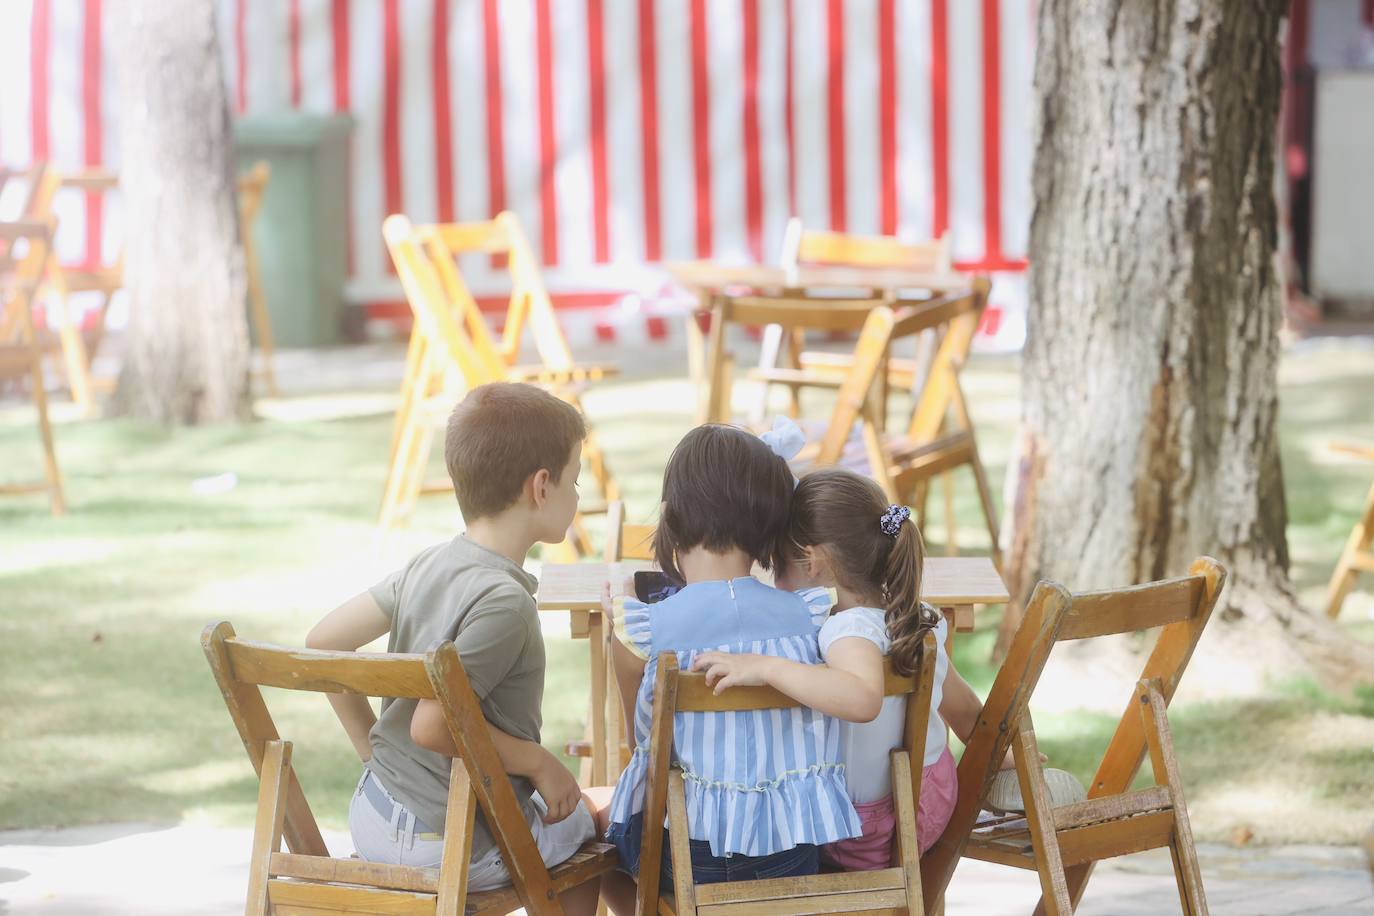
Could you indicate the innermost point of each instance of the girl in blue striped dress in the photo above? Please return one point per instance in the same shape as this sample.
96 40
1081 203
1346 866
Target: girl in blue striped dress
764 789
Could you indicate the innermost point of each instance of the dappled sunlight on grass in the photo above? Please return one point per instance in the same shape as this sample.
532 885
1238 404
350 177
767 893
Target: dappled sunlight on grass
108 711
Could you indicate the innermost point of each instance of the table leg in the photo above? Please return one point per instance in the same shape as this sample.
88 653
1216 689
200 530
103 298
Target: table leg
615 720
596 637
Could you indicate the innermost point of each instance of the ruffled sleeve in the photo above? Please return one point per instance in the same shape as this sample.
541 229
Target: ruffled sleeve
819 601
632 626
856 623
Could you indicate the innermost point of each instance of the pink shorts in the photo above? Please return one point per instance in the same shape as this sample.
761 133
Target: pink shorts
939 791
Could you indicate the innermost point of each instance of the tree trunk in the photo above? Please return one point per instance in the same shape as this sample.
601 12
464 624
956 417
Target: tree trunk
187 344
1149 428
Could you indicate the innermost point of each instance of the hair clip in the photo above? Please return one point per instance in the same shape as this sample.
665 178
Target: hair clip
893 519
785 439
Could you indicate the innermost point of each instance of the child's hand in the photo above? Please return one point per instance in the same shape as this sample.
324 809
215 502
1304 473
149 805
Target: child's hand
558 787
726 669
1009 762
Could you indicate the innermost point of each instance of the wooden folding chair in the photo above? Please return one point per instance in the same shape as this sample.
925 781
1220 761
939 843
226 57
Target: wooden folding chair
606 723
251 187
21 355
450 351
890 890
1357 556
307 879
1062 844
939 437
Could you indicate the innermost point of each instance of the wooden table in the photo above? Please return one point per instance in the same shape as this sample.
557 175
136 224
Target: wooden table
708 367
953 584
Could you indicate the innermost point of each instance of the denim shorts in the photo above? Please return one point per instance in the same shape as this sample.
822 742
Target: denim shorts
706 868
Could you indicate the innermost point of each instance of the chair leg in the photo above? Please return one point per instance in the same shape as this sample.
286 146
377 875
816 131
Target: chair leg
1040 819
267 830
951 536
454 860
1158 737
50 469
989 513
769 348
1343 579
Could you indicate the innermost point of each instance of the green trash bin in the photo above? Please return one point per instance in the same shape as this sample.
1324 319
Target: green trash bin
300 233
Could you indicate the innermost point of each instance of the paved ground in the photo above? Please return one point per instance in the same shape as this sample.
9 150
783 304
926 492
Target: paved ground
199 871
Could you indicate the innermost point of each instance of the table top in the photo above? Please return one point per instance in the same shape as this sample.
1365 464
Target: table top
945 582
710 275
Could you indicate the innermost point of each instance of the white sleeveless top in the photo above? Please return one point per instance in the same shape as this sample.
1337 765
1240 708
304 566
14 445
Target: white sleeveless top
864 746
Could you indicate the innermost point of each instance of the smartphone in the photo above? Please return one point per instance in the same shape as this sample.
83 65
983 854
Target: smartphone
653 585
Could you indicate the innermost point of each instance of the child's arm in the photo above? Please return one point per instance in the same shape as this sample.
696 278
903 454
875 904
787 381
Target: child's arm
519 757
848 686
628 665
355 623
960 708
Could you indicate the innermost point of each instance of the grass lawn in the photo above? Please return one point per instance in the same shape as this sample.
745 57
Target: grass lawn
108 711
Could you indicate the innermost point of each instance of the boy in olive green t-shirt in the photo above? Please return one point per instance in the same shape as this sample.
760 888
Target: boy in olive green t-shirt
514 453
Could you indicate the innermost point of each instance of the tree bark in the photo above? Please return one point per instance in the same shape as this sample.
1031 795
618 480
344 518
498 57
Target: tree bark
187 352
1150 393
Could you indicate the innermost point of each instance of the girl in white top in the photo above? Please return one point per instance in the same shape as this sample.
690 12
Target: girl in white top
844 535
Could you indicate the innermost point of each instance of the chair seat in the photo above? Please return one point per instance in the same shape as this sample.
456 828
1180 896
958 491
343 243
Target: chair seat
591 860
577 373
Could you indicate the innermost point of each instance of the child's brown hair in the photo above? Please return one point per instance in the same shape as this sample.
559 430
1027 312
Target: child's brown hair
723 488
500 434
874 550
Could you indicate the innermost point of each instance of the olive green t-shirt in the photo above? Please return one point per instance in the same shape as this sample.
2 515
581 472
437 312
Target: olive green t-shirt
485 604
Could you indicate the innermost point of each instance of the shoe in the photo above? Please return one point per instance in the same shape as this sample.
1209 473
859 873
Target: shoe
1005 794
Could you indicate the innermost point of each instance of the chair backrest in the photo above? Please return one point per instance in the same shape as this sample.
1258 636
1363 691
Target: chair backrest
674 692
955 320
802 246
625 541
20 276
1180 606
446 344
252 184
529 298
242 667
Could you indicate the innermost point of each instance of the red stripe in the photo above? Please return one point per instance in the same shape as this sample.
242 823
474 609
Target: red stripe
887 112
939 116
753 165
788 120
293 39
90 105
596 62
701 128
1367 13
443 135
391 111
241 56
496 154
340 23
40 40
548 138
835 29
648 106
992 131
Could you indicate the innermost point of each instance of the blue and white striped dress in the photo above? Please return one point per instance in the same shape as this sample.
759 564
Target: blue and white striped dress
757 783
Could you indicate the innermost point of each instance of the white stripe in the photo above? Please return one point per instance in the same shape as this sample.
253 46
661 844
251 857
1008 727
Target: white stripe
863 163
418 191
915 210
677 154
1016 35
267 40
365 95
725 78
772 101
810 115
624 140
467 82
520 119
966 130
572 132
317 57
15 142
66 131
